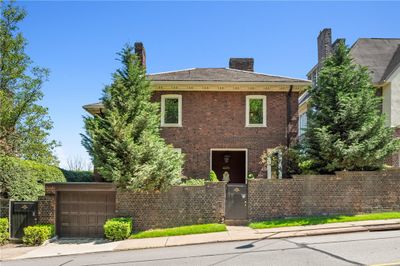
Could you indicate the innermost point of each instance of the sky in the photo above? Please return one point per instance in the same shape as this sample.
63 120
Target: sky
78 42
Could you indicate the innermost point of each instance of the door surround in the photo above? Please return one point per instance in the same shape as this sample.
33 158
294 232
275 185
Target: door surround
232 149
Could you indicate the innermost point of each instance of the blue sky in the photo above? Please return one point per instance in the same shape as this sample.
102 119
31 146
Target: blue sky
78 42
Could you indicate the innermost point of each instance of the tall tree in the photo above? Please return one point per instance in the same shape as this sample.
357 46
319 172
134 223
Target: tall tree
124 140
346 130
24 123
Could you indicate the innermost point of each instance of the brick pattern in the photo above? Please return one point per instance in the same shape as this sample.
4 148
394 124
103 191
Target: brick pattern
4 208
175 207
217 120
47 205
343 193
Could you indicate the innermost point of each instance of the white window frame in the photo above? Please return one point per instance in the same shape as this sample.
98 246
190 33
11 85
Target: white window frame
171 96
302 128
257 97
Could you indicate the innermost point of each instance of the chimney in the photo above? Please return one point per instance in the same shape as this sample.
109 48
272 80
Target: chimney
141 53
324 44
246 64
337 42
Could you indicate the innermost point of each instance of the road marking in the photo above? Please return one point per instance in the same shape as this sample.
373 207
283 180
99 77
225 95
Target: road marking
388 264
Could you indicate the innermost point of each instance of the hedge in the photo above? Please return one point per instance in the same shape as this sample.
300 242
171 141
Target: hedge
4 234
37 234
118 228
78 176
24 180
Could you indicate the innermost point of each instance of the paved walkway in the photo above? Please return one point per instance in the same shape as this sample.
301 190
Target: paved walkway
234 233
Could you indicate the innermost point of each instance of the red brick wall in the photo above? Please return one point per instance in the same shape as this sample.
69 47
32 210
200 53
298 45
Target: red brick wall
180 205
217 120
343 193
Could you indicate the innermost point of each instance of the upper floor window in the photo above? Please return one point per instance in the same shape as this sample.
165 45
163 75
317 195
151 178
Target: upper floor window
171 110
256 111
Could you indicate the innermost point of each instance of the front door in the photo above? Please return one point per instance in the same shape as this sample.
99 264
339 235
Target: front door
229 165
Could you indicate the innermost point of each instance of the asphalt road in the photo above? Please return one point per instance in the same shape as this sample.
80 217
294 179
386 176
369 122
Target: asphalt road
366 248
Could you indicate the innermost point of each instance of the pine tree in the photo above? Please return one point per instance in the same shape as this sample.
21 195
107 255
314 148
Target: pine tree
24 123
346 130
124 141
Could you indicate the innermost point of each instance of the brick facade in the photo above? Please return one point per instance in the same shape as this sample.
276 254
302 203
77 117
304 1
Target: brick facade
181 205
217 120
343 193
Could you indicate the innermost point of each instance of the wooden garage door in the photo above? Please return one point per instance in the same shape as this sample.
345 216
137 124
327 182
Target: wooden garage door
82 213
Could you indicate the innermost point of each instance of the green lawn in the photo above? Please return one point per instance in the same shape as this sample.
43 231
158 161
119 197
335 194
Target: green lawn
323 220
182 230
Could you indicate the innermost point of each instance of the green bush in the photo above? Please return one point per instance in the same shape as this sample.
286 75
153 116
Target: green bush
24 180
77 176
118 228
4 234
193 182
37 234
213 176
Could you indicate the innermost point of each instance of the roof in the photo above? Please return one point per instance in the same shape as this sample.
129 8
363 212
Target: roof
221 75
380 55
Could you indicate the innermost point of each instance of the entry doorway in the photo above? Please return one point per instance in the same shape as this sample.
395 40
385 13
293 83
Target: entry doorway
229 165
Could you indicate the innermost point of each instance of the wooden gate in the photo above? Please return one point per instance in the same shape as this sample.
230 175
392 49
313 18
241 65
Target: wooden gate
83 213
23 214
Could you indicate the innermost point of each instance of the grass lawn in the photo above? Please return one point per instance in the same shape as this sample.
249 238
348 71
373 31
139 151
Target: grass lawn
323 220
182 230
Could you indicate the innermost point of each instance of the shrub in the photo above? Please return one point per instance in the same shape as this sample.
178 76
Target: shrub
24 180
193 182
37 234
118 228
4 234
213 177
77 176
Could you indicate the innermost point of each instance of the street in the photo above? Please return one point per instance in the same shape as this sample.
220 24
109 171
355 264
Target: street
367 248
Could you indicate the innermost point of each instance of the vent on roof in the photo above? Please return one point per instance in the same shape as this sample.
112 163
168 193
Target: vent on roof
246 64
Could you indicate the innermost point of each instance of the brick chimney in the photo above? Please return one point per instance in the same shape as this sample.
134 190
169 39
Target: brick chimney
141 53
324 44
246 64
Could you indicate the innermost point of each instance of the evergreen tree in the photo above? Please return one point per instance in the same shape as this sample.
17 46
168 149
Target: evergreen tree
24 123
124 140
346 130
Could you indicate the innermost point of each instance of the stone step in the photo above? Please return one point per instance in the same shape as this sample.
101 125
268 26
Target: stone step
236 222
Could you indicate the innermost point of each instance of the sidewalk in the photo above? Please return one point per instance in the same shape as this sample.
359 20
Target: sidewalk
234 233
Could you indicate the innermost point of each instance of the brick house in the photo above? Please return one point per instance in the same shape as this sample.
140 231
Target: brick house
382 57
222 119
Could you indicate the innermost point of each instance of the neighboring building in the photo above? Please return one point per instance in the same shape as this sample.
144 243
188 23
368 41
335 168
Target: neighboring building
382 57
222 119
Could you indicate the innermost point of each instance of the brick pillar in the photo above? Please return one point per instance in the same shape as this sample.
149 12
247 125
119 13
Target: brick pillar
47 206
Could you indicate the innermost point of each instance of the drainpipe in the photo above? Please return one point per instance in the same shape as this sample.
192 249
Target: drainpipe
289 114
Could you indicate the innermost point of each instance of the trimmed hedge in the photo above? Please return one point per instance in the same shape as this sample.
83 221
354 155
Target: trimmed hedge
24 180
77 176
4 234
118 228
37 234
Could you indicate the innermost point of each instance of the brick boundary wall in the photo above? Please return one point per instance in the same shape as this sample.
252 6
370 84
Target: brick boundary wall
180 205
47 206
343 193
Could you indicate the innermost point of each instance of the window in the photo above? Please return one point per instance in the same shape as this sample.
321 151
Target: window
302 123
171 110
256 111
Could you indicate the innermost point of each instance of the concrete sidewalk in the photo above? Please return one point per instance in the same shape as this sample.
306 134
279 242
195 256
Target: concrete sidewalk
234 233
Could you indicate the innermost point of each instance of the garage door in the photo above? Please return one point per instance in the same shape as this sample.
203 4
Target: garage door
83 213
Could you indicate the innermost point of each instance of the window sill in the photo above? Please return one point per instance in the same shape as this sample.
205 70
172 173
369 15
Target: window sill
250 126
171 125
